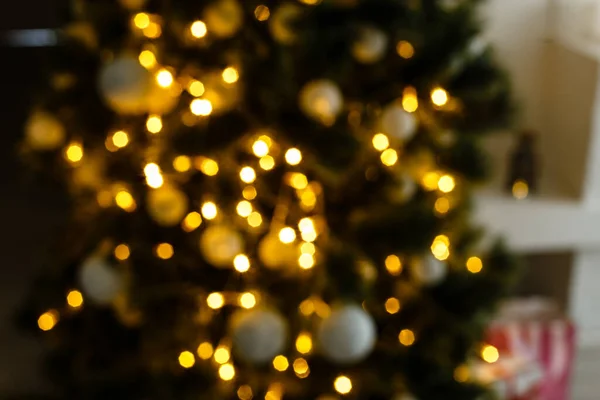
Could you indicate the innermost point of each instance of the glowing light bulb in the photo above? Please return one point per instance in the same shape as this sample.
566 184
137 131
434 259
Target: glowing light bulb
281 363
244 208
147 59
410 102
293 156
201 107
520 190
442 205
48 320
300 367
407 337
287 235
192 222
255 219
381 142
440 248
122 252
247 175
298 181
182 163
262 13
260 148
215 301
205 351
187 359
405 49
304 343
141 20
446 183
247 300
389 157
226 372
120 139
196 88
306 261
490 354
439 97
342 384
164 251
207 166
393 265
198 29
430 180
154 124
241 263
74 153
222 355
249 192
474 265
392 305
267 163
164 78
125 201
75 299
230 75
209 210
244 392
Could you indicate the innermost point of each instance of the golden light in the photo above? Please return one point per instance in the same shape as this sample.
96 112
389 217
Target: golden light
230 75
209 210
287 235
306 225
405 49
389 157
474 265
342 384
75 299
164 78
442 205
304 343
410 102
247 300
207 166
392 305
293 156
520 190
227 372
196 88
312 2
262 13
205 351
247 175
440 248
281 363
297 180
244 392
122 252
309 236
260 148
141 20
381 142
306 261
255 219
201 107
274 392
164 251
462 373
120 139
490 354
308 248
74 152
307 307
153 30
249 192
241 263
125 201
267 163
182 163
300 366
215 301
430 180
322 309
222 354
187 359
48 320
154 124
192 221
407 337
393 265
446 184
147 59
198 29
308 200
244 208
153 174
439 97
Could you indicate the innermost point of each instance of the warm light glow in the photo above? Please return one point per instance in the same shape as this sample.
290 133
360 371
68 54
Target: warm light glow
410 102
275 391
205 351
306 225
245 392
198 29
520 189
267 163
300 366
147 59
389 157
75 299
260 148
215 300
122 252
308 199
120 139
207 166
141 20
201 107
322 309
442 205
393 265
308 248
440 247
255 219
287 235
182 163
247 175
164 251
164 78
192 222
307 307
230 75
154 124
446 184
196 88
48 320
249 192
297 180
241 263
222 354
405 49
490 354
153 30
293 156
74 153
439 97
474 265
262 13
306 261
209 210
381 142
281 363
125 201
304 343
227 372
407 337
392 305
247 300
430 181
462 373
343 384
187 359
104 198
153 174
244 208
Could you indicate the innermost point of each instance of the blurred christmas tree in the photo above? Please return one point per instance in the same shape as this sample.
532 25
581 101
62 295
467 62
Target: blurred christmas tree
270 200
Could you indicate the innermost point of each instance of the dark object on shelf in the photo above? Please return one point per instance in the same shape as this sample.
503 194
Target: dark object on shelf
522 172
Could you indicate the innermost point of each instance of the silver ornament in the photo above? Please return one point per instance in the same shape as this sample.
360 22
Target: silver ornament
258 335
99 281
370 46
397 122
321 100
429 271
125 84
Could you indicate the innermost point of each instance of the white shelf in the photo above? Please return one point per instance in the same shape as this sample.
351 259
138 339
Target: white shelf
577 26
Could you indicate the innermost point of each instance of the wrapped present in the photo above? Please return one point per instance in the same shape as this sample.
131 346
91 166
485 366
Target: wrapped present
512 378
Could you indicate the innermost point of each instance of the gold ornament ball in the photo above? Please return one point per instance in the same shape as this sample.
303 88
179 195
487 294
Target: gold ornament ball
275 254
224 18
167 206
44 131
281 24
321 100
222 96
220 244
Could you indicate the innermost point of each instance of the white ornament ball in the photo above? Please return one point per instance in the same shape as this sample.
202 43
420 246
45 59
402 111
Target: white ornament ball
429 271
44 131
370 46
258 335
321 100
224 18
167 205
99 281
282 22
348 335
220 244
397 122
125 84
222 96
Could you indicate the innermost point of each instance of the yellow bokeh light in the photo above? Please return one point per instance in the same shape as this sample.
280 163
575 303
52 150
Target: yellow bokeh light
308 200
300 366
247 175
120 139
255 219
274 392
446 183
440 248
462 373
241 263
309 236
407 337
430 180
442 205
48 320
244 392
75 299
247 300
205 351
207 166
222 354
104 198
260 148
244 208
293 156
410 102
230 75
141 20
196 88
227 372
405 49
198 29
191 222
249 192
125 201
164 251
74 152
307 307
201 107
304 343
474 265
306 261
153 30
281 363
153 174
393 265
322 309
490 354
154 124
439 97
215 301
164 78
306 225
381 142
122 252
209 210
187 359
267 163
287 235
520 190
342 384
389 157
298 181
147 59
392 305
182 163
308 248
262 13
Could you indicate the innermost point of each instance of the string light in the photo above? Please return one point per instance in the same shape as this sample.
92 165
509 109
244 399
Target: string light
301 368
207 166
439 97
215 301
74 152
120 139
490 354
306 261
227 372
192 221
287 235
293 156
440 248
410 102
48 320
281 363
153 174
304 343
104 198
462 373
307 307
274 392
241 263
393 265
255 219
446 183
164 251
187 359
141 20
196 88
147 59
297 180
182 163
430 180
205 351
245 392
474 265
230 75
381 142
407 337
247 300
201 107
247 175
405 49
267 163
153 30
308 200
222 354
392 305
260 148
164 78
125 201
520 190
342 384
249 192
262 13
75 299
389 157
198 29
154 124
442 205
122 252
244 208
209 210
